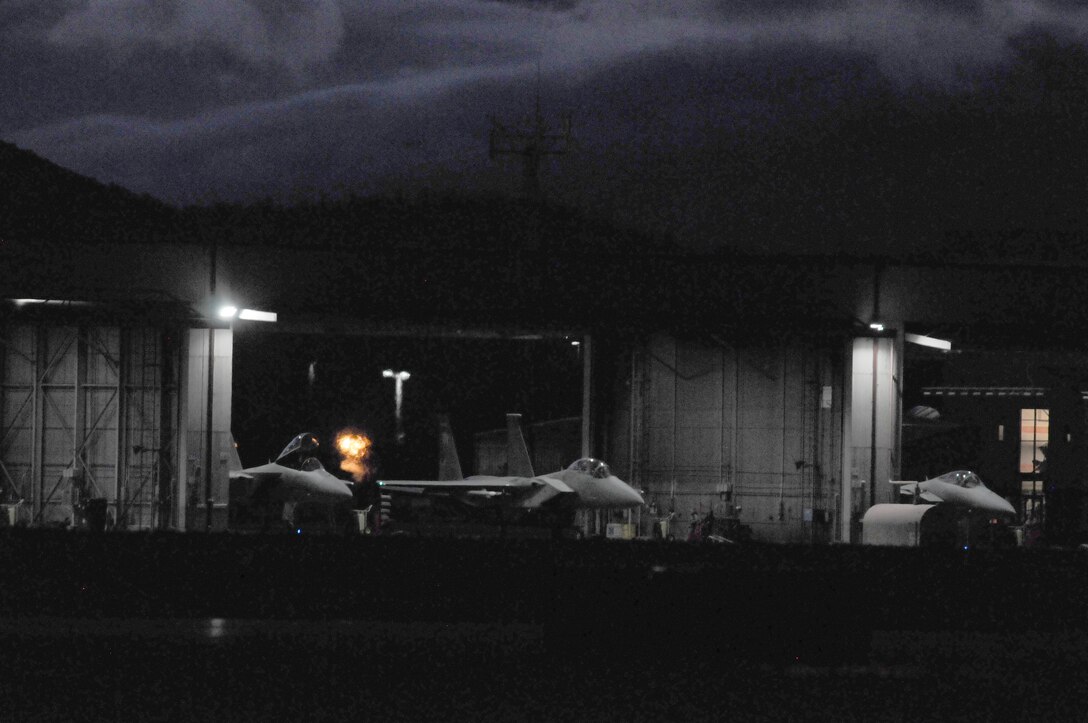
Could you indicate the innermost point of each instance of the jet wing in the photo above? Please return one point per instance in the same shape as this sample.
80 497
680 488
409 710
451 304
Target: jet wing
496 484
250 476
536 489
254 481
908 489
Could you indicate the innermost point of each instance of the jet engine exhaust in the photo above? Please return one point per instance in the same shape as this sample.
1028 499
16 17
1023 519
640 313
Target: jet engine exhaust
354 448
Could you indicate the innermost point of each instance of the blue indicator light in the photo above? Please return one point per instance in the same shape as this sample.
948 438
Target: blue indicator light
965 547
299 532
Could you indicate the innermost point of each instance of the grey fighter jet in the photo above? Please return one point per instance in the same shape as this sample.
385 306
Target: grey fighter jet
587 483
960 488
293 493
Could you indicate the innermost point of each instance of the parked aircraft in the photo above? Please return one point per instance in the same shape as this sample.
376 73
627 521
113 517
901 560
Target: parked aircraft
960 488
587 483
294 492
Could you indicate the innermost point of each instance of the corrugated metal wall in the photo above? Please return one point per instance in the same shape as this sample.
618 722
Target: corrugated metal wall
751 433
91 406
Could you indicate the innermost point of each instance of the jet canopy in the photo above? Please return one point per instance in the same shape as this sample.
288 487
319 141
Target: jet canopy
593 467
962 478
302 446
311 464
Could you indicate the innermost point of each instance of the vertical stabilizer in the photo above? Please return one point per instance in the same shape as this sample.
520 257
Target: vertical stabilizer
449 465
518 463
234 462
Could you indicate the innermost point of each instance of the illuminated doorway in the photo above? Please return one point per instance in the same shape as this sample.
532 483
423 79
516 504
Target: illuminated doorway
1034 437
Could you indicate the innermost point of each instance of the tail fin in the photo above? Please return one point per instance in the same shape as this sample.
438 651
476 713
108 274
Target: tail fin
234 462
449 465
518 463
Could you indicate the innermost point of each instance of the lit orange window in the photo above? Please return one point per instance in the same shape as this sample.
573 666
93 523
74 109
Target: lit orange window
1034 435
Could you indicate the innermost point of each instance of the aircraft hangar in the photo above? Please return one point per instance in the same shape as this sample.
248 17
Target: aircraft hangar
776 391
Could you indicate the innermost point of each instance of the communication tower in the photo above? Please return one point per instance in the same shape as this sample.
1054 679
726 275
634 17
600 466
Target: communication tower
531 139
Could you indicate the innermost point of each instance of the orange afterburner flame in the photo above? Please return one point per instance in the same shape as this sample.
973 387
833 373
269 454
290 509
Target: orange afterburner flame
355 450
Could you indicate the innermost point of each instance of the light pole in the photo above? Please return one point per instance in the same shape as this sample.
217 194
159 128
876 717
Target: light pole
398 380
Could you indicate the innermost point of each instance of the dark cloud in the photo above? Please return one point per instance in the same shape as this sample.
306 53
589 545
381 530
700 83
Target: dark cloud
294 35
677 106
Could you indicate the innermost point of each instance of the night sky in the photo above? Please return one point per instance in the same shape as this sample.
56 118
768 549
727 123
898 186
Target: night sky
753 122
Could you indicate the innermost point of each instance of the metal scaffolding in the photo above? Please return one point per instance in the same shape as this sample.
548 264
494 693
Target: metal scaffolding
89 413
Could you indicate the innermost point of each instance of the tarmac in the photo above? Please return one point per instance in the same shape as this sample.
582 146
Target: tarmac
151 626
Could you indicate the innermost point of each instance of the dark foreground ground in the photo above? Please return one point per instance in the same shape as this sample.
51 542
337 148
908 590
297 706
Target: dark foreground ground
173 627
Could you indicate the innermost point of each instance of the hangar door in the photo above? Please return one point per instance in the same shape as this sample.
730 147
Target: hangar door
88 420
751 434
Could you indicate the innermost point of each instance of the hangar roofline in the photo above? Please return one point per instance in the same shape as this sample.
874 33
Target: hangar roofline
362 326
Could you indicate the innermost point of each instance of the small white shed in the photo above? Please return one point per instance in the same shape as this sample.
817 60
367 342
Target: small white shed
905 525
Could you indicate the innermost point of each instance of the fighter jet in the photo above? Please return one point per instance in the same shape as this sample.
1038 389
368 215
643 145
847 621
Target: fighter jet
587 483
960 488
293 493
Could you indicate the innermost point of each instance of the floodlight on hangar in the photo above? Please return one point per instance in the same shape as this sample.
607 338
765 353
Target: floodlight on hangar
876 326
930 341
254 315
229 311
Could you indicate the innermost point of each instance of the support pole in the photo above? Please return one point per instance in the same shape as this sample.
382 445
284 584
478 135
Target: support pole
587 395
208 433
167 430
872 431
209 416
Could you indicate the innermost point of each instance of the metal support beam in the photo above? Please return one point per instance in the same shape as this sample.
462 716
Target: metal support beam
37 474
79 420
78 457
587 395
167 430
208 420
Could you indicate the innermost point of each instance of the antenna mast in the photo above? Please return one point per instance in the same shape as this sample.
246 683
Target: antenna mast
531 140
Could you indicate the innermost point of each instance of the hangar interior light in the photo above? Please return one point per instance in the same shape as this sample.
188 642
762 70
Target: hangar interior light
929 341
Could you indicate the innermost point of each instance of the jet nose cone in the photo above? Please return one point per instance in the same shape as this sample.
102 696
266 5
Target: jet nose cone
995 503
629 494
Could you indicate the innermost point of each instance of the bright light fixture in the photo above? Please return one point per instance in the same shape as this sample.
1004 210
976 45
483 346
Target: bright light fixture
390 374
228 312
929 341
254 315
49 302
876 326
